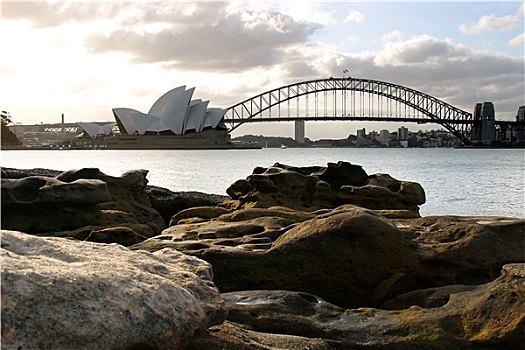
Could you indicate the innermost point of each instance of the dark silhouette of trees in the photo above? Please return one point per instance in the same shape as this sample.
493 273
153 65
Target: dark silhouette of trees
7 136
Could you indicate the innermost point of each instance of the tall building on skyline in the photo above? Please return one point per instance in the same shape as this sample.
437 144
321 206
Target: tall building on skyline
402 133
520 118
384 137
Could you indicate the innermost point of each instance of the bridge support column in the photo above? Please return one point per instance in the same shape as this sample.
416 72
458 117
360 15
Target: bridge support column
484 128
299 131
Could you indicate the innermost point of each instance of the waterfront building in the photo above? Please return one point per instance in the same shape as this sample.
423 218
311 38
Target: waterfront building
520 118
384 137
50 135
174 121
173 113
402 133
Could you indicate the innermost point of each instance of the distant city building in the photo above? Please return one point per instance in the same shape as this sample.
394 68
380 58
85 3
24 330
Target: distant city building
384 137
39 135
402 133
520 118
520 115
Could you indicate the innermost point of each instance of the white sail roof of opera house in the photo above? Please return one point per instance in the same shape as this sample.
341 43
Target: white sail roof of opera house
95 129
174 111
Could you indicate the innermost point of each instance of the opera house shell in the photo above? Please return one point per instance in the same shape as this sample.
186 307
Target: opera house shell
174 121
95 130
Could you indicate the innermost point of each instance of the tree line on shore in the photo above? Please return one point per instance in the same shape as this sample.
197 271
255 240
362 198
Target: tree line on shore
7 136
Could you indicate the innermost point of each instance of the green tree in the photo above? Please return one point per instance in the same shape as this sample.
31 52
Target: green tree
7 136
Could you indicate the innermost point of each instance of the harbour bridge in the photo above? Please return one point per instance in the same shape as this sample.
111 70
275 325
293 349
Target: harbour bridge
353 99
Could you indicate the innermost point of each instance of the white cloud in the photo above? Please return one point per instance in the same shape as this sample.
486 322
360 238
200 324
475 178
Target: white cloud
517 41
354 16
305 10
237 39
419 50
353 39
492 23
392 36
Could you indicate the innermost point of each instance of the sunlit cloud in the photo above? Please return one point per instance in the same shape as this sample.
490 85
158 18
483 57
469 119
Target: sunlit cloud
354 16
517 41
392 36
492 23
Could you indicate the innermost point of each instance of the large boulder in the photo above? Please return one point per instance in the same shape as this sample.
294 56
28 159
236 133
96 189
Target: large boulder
314 188
77 198
65 294
340 255
349 256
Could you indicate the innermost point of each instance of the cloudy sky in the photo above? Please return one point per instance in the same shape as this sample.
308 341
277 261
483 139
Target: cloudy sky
85 58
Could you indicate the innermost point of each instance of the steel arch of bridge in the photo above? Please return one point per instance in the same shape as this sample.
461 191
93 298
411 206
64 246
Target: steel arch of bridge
429 108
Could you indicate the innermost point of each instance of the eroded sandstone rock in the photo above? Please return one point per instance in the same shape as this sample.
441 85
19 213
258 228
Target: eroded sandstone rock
340 255
234 336
65 294
350 256
313 188
488 316
77 198
465 249
169 203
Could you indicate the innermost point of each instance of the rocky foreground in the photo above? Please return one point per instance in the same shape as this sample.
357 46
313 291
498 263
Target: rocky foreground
293 258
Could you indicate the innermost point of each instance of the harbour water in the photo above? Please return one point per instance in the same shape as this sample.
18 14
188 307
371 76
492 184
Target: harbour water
456 181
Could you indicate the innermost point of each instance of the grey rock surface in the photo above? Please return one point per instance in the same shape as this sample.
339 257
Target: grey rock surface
65 294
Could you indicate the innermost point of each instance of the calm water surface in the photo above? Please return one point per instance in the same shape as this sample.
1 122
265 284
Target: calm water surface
456 181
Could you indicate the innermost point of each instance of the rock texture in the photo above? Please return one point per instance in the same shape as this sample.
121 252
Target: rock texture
78 198
306 258
349 256
488 316
313 188
465 250
63 294
166 202
169 203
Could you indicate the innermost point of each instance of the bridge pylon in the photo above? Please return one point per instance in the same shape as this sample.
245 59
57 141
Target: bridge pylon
299 131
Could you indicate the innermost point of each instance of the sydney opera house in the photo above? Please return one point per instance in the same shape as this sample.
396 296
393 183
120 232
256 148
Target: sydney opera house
174 121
